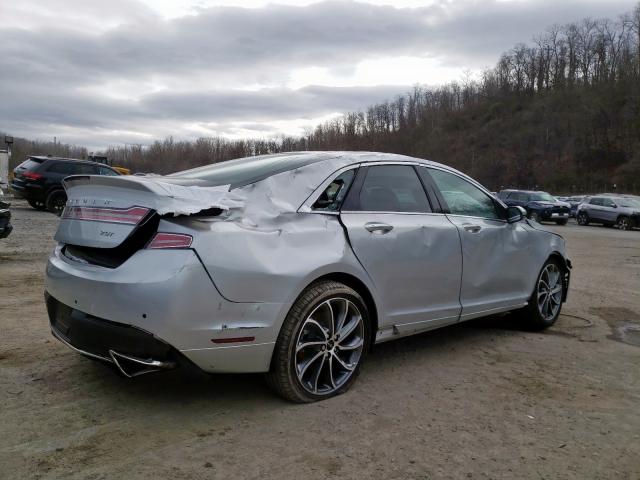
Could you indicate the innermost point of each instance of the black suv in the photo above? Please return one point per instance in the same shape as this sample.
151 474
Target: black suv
540 206
39 180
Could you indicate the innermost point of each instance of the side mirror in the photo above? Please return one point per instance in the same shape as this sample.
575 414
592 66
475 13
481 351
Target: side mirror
613 205
515 214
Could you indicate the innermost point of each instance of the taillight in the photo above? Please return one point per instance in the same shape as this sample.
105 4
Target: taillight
170 240
128 216
31 175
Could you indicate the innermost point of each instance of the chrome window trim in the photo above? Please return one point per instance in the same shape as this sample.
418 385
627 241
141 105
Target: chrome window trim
382 212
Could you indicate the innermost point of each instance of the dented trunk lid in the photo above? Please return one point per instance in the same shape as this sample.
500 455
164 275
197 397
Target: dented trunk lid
103 211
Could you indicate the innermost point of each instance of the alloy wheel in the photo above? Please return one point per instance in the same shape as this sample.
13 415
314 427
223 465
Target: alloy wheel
549 292
329 346
535 217
623 223
582 219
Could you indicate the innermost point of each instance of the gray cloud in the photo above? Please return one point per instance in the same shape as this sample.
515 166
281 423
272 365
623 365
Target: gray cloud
46 71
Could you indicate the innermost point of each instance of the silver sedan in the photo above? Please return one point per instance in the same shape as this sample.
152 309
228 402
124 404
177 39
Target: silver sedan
292 264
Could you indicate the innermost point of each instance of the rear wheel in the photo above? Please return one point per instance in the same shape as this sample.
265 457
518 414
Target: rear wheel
321 345
546 301
623 223
37 204
56 201
583 219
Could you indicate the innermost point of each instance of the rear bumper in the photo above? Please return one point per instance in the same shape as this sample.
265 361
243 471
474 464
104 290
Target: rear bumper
132 350
27 191
169 296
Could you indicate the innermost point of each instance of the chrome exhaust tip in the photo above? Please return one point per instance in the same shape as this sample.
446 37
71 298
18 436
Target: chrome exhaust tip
134 367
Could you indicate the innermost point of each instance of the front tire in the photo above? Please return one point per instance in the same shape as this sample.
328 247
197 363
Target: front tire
321 344
546 300
56 201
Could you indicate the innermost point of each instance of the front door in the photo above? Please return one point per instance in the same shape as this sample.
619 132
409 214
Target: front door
496 265
411 253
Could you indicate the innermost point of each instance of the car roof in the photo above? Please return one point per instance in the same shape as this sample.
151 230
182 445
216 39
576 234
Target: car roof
248 170
64 159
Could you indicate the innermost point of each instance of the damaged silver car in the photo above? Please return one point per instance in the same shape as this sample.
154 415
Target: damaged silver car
291 264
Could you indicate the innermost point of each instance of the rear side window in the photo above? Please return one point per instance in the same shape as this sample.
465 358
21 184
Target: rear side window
331 199
464 198
595 201
64 168
392 188
30 164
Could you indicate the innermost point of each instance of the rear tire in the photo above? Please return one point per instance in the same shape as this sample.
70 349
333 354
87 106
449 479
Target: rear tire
545 303
37 204
56 201
582 219
310 361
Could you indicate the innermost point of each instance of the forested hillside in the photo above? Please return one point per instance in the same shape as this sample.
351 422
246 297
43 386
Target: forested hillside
561 113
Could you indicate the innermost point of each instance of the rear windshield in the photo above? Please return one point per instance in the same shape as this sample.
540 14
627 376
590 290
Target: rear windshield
244 171
31 164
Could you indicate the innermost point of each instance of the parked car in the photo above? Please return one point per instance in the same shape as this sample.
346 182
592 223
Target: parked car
610 210
540 206
39 180
291 264
574 202
5 217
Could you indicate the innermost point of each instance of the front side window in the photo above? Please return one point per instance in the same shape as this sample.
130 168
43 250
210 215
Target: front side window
595 201
462 197
392 188
331 199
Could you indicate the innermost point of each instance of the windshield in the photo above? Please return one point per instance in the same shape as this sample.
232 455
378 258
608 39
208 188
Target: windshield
542 197
629 202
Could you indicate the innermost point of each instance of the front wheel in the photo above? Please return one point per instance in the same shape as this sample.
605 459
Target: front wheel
583 219
546 301
321 344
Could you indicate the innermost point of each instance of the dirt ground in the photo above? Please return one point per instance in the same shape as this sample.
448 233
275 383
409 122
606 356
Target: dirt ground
478 400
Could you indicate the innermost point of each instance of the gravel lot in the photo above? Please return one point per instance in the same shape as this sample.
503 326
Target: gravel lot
478 400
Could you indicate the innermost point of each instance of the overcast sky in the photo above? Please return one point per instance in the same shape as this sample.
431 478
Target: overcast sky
100 72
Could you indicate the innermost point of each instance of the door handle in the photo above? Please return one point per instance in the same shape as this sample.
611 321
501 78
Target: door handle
472 228
377 227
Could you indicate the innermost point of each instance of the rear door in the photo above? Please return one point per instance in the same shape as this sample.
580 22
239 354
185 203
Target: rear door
497 270
595 209
410 250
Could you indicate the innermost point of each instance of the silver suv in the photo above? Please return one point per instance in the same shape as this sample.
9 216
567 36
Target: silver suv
610 210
